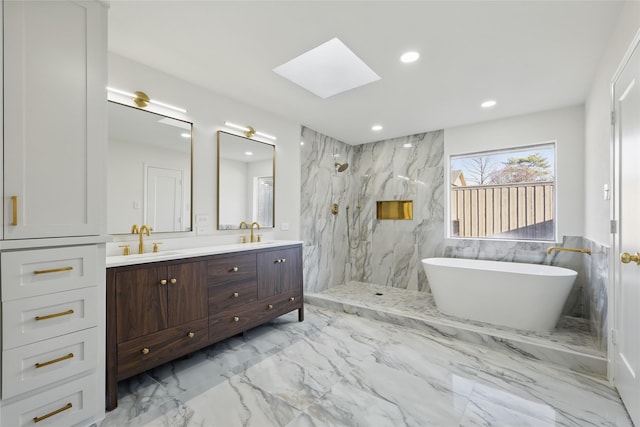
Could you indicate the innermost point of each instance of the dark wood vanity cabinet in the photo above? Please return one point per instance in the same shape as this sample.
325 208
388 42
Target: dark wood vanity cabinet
159 311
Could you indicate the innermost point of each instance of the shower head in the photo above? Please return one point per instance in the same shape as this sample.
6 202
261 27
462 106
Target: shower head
341 167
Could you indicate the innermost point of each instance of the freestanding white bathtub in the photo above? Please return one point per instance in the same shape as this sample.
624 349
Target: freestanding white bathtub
522 296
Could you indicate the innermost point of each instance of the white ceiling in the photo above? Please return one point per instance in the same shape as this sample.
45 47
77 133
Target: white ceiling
528 55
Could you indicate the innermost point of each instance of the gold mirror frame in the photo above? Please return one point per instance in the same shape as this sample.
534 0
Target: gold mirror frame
130 164
232 147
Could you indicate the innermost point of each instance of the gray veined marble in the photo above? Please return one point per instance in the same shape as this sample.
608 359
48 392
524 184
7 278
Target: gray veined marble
336 369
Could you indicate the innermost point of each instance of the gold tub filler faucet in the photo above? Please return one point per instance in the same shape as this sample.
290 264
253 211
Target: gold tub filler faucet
559 248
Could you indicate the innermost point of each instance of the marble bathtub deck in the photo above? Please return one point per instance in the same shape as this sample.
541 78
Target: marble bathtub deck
571 345
336 369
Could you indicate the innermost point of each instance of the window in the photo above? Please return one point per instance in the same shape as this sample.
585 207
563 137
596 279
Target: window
508 194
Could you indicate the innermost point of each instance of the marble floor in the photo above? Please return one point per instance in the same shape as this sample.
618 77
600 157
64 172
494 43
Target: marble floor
571 344
337 369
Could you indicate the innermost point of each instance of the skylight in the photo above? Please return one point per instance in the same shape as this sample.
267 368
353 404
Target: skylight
328 70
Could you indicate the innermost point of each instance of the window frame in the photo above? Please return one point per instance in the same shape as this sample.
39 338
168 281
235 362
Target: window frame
448 223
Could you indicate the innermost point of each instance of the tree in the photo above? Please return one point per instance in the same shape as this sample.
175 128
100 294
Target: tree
480 169
531 168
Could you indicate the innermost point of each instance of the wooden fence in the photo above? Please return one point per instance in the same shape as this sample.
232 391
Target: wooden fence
488 210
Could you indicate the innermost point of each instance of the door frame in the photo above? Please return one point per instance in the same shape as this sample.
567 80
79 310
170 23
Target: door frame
614 265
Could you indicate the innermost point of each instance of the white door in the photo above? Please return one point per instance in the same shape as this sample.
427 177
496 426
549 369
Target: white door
163 201
626 96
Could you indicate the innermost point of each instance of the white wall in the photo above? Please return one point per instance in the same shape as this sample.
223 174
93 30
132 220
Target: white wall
208 112
565 126
598 126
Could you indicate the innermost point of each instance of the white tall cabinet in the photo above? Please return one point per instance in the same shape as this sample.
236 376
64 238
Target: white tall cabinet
52 251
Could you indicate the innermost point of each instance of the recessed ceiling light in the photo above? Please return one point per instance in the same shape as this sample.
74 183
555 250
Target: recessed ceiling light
407 145
376 128
328 69
185 135
248 153
410 56
488 104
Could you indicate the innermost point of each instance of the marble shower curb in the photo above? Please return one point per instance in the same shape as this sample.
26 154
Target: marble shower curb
576 358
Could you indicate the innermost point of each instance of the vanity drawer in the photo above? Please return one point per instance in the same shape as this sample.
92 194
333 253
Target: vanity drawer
234 268
229 322
44 271
232 295
28 320
141 354
66 405
36 365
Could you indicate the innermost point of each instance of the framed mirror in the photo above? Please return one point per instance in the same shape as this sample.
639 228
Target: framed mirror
246 172
149 172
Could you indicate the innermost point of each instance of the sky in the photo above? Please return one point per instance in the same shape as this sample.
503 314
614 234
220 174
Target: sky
497 158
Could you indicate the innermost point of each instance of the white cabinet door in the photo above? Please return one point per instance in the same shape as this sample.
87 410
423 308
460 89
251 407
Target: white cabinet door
55 118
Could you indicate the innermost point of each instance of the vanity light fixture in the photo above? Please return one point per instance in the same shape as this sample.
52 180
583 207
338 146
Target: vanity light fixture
142 100
488 104
249 131
376 128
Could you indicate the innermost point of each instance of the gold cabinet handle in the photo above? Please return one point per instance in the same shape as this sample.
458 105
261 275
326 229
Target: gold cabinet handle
51 316
236 294
626 258
235 269
284 260
191 335
270 307
53 270
51 362
278 261
14 202
292 299
51 414
163 281
144 351
236 319
173 281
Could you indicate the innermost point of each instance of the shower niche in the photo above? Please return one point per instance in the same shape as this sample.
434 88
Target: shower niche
394 209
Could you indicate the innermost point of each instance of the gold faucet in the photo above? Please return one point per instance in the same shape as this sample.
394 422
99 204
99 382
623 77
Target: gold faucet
254 223
141 232
134 229
558 248
244 238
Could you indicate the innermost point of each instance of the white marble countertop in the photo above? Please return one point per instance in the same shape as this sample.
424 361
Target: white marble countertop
120 260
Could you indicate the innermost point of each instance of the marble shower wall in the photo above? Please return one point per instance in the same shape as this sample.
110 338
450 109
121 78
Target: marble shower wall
596 268
388 252
325 251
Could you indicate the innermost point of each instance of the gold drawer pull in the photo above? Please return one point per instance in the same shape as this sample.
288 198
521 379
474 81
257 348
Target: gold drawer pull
14 202
51 414
173 281
235 269
236 319
144 351
163 281
292 299
191 335
284 260
270 307
51 316
53 270
51 362
236 295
